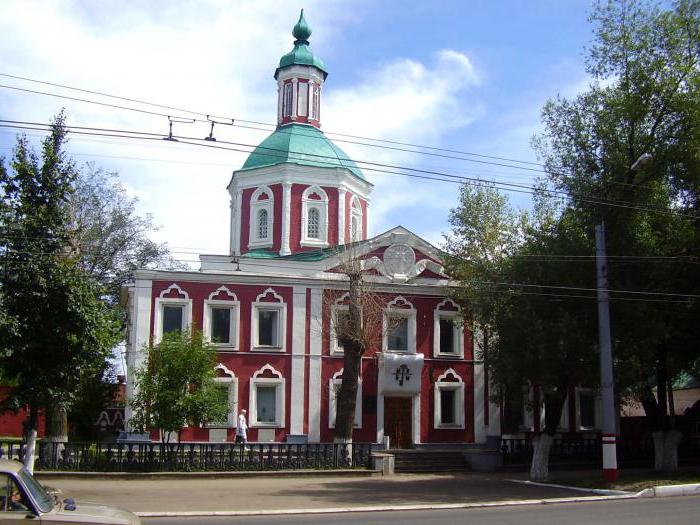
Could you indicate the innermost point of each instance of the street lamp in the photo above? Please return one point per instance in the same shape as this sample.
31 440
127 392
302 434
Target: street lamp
608 434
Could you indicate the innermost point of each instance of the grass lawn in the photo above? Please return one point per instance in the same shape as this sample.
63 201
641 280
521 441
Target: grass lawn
631 480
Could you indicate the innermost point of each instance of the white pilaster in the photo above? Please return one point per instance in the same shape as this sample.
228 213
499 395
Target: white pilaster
141 330
315 366
280 95
341 215
298 360
286 216
237 221
480 427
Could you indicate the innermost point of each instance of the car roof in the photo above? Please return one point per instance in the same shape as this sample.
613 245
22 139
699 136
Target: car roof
9 465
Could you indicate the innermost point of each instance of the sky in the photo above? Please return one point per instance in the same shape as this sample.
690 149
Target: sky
465 76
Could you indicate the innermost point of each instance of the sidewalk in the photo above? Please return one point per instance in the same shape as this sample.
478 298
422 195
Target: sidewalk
317 491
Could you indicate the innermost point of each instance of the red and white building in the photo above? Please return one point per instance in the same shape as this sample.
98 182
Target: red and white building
297 204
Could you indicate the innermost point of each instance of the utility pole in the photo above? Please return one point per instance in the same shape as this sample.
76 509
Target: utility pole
608 434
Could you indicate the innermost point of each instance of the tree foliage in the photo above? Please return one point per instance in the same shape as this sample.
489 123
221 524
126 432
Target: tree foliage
55 330
177 386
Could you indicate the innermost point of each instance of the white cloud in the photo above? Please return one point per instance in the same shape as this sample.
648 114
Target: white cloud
217 57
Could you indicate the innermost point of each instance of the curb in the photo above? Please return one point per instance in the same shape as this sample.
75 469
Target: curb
50 474
604 492
386 508
664 491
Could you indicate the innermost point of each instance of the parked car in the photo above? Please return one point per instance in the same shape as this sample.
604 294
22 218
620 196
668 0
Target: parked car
23 497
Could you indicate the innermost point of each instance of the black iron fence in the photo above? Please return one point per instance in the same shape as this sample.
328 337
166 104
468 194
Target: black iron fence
190 457
571 451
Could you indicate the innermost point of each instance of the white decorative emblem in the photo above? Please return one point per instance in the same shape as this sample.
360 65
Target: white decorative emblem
399 259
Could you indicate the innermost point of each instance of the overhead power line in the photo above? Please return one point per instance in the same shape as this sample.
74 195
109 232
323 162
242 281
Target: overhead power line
367 165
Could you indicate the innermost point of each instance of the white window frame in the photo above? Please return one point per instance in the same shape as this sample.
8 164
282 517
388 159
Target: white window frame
397 309
162 301
458 388
335 348
254 241
356 213
597 408
458 328
278 383
333 384
258 305
307 204
233 305
229 381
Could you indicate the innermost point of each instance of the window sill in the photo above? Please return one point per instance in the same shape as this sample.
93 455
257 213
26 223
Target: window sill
266 425
221 347
275 349
450 427
446 355
259 244
315 244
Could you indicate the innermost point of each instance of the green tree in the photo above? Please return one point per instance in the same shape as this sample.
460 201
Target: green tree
55 330
177 386
645 99
534 339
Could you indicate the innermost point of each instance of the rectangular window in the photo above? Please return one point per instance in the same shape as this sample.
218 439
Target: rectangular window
447 336
586 406
266 404
268 328
303 99
172 318
398 334
222 397
221 326
447 406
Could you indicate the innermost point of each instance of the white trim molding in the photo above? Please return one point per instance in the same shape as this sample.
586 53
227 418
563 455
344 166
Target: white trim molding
230 381
356 230
321 207
333 389
233 305
279 306
161 302
454 316
399 308
278 383
257 206
457 387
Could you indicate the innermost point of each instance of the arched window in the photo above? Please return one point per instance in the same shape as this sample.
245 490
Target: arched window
262 224
314 213
356 233
261 218
313 224
287 101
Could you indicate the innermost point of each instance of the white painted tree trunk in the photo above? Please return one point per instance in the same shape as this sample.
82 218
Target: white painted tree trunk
539 468
343 454
666 449
29 455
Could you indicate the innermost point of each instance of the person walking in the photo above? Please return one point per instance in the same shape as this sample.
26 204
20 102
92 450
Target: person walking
242 428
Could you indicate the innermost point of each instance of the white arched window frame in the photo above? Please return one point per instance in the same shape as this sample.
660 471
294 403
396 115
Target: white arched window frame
227 381
333 389
287 99
449 401
169 308
262 205
267 399
448 344
355 219
268 322
220 309
314 205
399 327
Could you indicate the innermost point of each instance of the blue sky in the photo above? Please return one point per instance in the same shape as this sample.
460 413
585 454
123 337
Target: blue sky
469 76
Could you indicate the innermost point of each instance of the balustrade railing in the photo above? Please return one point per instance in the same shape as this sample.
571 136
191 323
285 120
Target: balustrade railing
190 457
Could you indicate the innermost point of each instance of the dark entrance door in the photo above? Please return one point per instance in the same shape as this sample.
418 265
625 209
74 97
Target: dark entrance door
397 421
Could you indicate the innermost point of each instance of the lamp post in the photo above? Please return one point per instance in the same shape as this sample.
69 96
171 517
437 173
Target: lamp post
609 433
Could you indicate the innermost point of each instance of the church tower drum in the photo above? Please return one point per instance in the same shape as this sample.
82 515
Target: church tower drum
297 191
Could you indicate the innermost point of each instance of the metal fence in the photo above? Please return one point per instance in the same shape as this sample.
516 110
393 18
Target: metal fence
190 457
588 452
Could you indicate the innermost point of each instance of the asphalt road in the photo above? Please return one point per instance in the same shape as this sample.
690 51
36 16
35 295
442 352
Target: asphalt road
666 511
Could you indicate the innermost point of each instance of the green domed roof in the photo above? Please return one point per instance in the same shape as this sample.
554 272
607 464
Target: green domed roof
301 54
300 144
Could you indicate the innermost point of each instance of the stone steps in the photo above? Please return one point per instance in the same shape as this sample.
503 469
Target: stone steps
429 461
